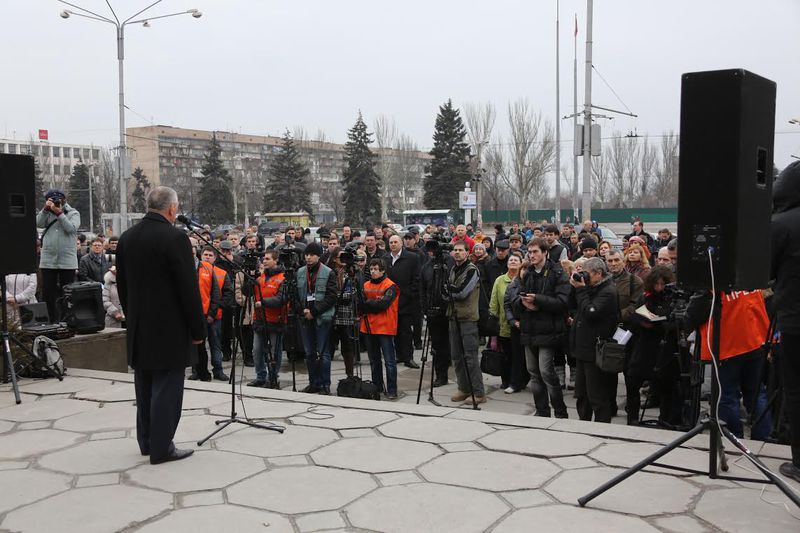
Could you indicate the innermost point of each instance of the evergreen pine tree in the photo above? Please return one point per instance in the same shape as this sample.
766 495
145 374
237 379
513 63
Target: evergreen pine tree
287 181
448 171
361 182
215 205
78 195
140 190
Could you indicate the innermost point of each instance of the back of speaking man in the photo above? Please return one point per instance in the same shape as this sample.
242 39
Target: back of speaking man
786 272
158 291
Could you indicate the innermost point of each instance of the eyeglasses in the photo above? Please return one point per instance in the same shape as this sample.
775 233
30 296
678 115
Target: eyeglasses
361 259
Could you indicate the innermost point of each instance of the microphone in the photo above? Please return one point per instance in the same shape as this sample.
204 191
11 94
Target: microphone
183 219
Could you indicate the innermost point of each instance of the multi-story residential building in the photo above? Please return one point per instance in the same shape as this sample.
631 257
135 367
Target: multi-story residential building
174 157
55 160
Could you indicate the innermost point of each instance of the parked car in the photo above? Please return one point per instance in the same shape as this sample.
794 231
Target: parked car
610 236
419 227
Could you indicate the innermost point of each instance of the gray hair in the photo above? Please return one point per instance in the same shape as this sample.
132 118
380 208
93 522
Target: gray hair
595 264
160 198
613 251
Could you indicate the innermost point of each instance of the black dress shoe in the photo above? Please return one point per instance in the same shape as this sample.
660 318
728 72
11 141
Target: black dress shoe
220 376
257 383
411 364
325 391
440 382
175 455
249 362
418 345
193 377
311 389
790 470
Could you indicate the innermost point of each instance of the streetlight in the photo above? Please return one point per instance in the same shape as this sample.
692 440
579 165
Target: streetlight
122 155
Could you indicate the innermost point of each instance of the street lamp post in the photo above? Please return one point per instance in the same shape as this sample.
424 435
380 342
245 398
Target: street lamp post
122 153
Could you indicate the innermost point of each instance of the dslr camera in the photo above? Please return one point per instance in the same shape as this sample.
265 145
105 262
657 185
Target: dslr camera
581 276
56 202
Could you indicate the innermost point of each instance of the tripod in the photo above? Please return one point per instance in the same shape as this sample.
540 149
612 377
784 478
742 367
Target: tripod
232 419
8 360
426 344
716 429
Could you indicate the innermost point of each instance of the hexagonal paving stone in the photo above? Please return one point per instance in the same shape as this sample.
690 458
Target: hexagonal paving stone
642 494
204 471
434 429
295 440
336 418
5 426
94 457
193 399
45 410
260 408
567 519
108 418
490 470
541 442
192 428
90 510
20 487
110 392
741 510
627 454
301 489
376 454
426 507
24 443
53 386
216 518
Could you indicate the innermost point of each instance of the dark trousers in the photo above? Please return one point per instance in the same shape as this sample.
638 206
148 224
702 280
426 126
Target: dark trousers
342 336
159 398
439 338
246 342
226 338
515 372
790 370
416 327
54 281
403 344
592 394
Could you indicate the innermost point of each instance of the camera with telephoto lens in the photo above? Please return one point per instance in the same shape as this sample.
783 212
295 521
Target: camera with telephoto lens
581 276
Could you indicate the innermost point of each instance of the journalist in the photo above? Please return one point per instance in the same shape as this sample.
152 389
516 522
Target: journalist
269 321
432 278
58 260
595 299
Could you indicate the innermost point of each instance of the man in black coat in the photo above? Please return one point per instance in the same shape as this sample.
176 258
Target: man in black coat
785 252
597 316
158 291
403 269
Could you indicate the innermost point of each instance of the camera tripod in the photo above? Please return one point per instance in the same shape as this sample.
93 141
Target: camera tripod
717 430
426 345
232 419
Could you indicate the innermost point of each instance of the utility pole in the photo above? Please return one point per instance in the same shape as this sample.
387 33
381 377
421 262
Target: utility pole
558 127
587 120
576 198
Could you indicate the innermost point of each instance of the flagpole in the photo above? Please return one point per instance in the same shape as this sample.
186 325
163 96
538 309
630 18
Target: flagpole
576 197
558 126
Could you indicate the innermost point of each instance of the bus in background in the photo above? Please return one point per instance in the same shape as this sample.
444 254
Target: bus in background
437 217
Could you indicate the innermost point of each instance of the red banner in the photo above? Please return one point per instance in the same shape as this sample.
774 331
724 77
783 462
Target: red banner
42 135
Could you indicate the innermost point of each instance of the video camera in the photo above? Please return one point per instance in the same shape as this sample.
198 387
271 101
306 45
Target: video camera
252 260
677 299
289 258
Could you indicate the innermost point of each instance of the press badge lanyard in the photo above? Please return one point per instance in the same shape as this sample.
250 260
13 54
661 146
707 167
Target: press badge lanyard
311 283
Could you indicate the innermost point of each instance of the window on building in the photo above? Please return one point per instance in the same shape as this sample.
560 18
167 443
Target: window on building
85 154
12 148
45 151
76 153
95 153
67 170
2 148
56 151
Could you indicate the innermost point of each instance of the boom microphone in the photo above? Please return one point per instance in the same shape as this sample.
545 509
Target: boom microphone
183 219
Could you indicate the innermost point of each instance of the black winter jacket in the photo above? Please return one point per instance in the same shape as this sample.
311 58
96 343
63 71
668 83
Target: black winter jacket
785 248
546 325
596 317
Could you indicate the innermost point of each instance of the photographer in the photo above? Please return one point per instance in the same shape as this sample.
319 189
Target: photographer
653 356
58 258
433 276
745 323
380 306
463 293
344 319
268 322
597 308
542 307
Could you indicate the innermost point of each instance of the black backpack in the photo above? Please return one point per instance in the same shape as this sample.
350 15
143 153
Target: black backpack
355 387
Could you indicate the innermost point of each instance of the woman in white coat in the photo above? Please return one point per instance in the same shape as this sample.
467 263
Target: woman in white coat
114 316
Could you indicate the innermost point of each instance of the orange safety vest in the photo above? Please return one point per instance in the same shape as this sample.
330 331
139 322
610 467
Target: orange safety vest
220 275
204 272
269 288
743 325
385 322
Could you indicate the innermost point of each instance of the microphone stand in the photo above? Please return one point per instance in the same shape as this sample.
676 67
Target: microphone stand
232 419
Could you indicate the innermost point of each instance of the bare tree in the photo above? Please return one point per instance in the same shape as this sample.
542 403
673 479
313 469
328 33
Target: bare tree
479 120
385 138
600 177
108 190
530 151
623 156
407 172
665 187
648 158
493 185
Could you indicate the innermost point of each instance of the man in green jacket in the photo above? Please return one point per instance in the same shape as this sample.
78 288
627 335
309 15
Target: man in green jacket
59 258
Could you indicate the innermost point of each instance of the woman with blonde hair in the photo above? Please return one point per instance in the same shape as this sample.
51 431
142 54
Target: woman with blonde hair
636 260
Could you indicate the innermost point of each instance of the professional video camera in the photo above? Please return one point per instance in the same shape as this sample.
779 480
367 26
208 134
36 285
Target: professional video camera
678 300
252 260
347 257
289 258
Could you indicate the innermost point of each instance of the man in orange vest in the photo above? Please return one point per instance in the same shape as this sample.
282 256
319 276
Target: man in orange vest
215 293
743 329
380 308
269 318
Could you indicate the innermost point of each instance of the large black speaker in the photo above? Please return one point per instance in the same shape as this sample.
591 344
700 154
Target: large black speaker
17 215
725 188
82 307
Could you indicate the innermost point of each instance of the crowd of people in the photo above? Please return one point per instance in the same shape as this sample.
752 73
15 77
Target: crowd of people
554 291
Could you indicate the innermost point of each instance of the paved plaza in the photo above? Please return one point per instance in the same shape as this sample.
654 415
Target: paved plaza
70 462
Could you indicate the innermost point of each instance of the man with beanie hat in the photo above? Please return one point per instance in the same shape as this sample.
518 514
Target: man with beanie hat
316 291
58 260
588 249
785 269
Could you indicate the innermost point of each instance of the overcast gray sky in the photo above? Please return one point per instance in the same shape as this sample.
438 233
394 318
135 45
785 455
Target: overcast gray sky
258 66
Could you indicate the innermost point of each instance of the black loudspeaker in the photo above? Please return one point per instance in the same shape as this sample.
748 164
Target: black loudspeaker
82 307
725 187
17 215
